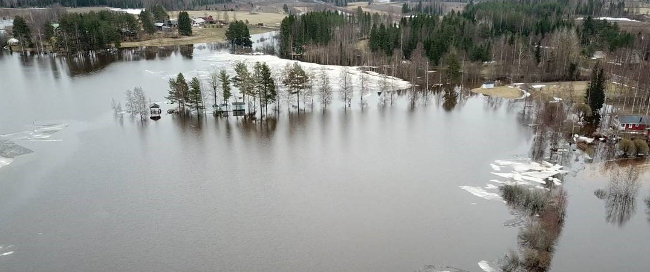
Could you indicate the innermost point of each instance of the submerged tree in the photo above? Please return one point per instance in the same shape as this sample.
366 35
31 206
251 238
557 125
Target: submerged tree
295 80
265 85
140 103
346 91
225 86
324 90
129 103
364 87
195 96
178 91
213 81
243 80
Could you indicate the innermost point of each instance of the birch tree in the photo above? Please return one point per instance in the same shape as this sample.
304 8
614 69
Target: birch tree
346 91
324 89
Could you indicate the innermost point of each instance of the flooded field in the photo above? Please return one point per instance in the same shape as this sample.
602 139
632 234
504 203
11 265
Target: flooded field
402 186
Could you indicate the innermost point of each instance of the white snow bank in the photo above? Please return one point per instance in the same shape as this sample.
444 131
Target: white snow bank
129 11
620 19
480 192
539 86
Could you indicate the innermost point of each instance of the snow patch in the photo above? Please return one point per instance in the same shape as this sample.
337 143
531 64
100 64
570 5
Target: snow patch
495 167
129 11
620 19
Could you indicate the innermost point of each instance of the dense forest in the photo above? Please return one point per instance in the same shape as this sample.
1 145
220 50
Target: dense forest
539 39
168 4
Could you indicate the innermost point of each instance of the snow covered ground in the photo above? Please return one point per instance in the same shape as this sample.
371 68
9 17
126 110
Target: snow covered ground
617 19
129 11
225 60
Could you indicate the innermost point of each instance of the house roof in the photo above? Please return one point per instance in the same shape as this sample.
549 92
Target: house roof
159 24
12 40
238 103
633 119
198 20
154 105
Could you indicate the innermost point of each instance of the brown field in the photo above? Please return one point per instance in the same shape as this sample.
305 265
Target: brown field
381 8
268 19
501 91
199 35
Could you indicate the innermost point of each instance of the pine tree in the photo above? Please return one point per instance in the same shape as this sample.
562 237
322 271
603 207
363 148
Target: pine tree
195 96
22 32
184 24
267 84
595 95
453 68
225 86
147 22
238 34
243 80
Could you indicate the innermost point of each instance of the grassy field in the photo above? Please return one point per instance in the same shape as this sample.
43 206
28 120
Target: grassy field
268 19
199 35
501 91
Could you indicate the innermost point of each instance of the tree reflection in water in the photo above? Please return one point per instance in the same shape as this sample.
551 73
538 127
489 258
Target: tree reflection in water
647 207
543 213
620 194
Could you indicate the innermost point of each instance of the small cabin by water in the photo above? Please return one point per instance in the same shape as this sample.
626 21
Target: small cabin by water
631 123
154 111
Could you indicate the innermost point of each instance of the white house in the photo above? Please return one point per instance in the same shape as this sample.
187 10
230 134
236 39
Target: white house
198 22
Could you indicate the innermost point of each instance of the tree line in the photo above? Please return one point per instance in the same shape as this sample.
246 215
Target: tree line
540 40
259 87
92 31
168 4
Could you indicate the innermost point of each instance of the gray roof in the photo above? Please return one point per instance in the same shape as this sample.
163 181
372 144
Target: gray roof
633 119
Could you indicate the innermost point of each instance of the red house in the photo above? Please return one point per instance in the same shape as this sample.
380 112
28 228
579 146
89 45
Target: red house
631 123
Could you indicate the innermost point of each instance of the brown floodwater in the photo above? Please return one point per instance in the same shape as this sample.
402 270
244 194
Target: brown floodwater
373 188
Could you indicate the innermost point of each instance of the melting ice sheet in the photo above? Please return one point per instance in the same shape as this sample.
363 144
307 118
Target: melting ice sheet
482 193
9 149
486 266
523 172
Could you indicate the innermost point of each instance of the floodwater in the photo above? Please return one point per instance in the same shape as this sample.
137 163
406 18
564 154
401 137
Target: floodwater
373 188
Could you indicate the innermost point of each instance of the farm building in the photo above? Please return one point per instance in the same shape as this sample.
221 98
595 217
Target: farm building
631 123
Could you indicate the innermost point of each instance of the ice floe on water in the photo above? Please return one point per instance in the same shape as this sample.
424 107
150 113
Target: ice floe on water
10 150
522 172
482 193
37 133
483 264
5 249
